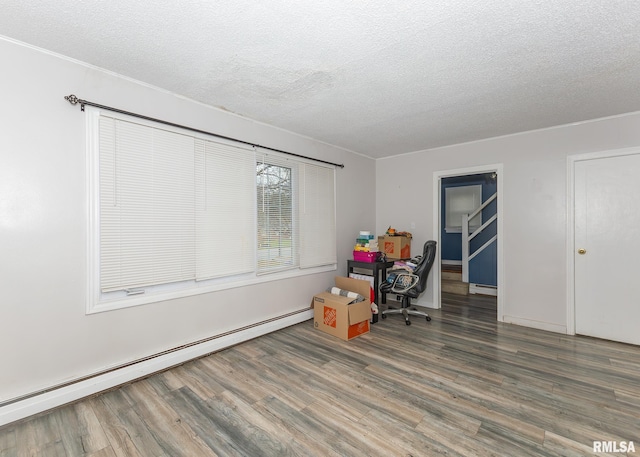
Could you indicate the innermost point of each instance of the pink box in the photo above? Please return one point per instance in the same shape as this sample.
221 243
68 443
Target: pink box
370 257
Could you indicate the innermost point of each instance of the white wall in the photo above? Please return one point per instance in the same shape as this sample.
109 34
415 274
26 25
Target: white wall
45 336
534 205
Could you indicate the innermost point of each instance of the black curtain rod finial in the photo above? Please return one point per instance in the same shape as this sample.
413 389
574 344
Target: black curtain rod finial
75 100
71 99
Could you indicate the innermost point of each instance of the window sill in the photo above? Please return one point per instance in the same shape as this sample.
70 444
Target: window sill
96 304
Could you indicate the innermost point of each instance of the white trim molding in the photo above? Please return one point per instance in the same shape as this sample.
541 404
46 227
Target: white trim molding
483 290
437 224
540 325
571 163
451 262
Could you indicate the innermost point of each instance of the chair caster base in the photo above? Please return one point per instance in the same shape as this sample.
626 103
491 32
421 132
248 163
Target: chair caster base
406 312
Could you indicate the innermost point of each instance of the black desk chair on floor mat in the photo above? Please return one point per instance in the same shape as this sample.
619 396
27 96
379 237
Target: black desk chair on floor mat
411 285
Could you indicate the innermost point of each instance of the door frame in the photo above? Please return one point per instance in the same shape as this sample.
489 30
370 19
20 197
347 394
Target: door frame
437 227
571 227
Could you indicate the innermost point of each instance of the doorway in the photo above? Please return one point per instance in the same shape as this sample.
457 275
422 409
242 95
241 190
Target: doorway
440 222
604 247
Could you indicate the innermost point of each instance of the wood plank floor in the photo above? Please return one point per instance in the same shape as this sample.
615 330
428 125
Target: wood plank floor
460 385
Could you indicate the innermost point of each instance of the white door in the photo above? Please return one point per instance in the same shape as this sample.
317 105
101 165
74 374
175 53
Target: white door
607 248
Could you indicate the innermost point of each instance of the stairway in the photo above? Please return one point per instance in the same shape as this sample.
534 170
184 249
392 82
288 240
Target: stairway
451 276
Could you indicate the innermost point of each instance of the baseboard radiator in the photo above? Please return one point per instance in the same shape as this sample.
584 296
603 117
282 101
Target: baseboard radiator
37 402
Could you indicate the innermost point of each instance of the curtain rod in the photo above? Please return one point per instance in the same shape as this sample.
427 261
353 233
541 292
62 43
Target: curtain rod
75 100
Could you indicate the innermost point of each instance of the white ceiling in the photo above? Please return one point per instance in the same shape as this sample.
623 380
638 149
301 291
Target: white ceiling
375 77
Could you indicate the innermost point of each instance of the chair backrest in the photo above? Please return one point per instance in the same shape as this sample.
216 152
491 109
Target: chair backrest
424 267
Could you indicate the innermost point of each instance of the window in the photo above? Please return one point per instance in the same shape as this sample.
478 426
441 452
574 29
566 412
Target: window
173 213
277 245
462 200
296 214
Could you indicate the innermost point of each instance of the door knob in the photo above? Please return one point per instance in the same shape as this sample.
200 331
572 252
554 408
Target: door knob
582 251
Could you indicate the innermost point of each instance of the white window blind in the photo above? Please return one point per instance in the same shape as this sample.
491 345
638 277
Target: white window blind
317 216
172 207
174 213
146 206
225 205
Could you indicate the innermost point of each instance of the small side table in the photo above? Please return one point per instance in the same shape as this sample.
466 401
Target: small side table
376 269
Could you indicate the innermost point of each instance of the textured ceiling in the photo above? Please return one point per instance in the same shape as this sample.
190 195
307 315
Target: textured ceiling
376 77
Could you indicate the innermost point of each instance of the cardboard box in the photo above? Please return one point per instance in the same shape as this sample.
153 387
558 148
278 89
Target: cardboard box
395 247
338 315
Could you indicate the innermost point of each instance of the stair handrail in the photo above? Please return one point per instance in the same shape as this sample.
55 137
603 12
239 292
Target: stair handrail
483 206
477 231
466 236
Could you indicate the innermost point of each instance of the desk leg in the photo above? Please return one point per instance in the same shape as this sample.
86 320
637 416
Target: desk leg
384 278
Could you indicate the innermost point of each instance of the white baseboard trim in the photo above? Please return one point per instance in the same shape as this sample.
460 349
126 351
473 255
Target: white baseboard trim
451 262
548 326
483 290
21 409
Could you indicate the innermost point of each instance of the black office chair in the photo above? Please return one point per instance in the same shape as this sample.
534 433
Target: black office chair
411 285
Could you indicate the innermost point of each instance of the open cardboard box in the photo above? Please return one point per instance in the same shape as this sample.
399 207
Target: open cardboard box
338 315
395 247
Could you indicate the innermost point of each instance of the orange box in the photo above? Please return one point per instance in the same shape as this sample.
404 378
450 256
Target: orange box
395 247
340 316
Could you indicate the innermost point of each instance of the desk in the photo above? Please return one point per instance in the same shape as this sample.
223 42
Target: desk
376 268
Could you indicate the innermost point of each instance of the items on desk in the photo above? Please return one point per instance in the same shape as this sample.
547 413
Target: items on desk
366 242
393 232
366 248
396 247
369 257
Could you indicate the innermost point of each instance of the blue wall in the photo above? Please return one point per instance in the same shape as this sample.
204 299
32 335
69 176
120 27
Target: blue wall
483 268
